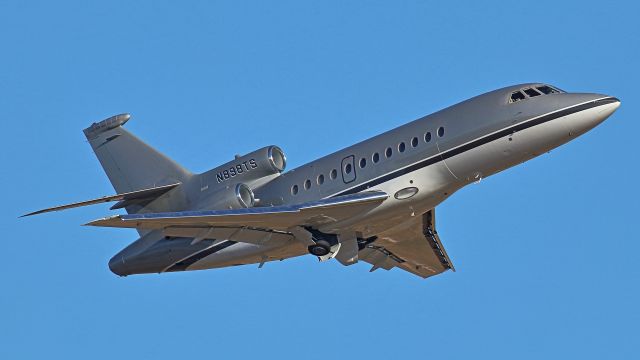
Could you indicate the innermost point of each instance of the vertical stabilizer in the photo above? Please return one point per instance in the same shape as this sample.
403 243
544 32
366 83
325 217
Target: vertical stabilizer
130 163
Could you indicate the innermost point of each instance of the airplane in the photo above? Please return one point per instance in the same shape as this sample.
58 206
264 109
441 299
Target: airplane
374 201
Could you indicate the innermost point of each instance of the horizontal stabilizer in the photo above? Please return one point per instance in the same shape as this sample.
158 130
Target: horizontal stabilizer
269 217
124 199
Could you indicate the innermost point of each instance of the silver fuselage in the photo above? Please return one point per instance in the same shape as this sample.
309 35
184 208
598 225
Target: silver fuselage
429 159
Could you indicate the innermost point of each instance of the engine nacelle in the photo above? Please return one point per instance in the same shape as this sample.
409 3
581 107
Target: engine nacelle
229 186
255 165
240 196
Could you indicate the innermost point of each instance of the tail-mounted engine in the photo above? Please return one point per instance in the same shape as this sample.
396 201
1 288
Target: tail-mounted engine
230 186
253 166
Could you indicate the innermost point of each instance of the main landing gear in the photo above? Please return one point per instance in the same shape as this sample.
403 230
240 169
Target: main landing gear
344 247
320 248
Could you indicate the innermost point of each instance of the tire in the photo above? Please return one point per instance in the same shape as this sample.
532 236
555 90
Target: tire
320 248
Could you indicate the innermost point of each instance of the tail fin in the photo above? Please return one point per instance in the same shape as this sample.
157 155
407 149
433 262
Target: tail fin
129 163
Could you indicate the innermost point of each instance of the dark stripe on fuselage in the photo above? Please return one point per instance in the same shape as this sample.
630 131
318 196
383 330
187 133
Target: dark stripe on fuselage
478 142
184 264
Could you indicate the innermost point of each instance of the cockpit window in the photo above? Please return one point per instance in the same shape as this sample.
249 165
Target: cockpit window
531 92
546 89
517 96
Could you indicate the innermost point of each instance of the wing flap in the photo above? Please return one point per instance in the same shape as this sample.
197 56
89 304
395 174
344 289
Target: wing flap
124 199
379 258
275 217
413 246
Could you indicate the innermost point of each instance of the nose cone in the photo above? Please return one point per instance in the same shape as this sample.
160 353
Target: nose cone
594 111
609 105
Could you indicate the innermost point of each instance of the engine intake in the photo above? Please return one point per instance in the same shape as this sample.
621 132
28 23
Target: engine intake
277 158
245 195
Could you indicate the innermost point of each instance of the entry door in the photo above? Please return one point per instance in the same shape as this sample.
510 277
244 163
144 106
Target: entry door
348 169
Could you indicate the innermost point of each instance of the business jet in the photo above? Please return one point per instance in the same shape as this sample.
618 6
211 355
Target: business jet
374 201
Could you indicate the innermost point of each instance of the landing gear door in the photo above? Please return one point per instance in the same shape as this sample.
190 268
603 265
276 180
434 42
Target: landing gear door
348 169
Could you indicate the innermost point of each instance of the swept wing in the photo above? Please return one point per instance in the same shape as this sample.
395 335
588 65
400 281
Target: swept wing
280 218
413 246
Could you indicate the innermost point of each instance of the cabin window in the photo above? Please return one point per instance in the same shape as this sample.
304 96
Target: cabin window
333 174
440 131
517 96
307 184
363 163
388 153
401 147
545 89
294 190
347 169
531 92
427 137
414 142
375 157
320 179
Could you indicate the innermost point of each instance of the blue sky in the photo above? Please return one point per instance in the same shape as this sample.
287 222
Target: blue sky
546 252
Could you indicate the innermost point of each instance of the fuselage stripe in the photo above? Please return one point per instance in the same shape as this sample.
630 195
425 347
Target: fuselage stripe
185 263
476 143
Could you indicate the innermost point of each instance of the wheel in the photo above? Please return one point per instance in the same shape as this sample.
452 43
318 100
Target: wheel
320 248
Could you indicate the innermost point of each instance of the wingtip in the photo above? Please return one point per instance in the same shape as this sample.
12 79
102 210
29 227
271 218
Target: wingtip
93 223
30 214
104 222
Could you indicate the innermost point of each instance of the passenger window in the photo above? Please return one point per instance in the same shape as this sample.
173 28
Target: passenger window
363 163
440 131
376 158
347 169
388 153
547 89
333 174
401 147
517 96
414 142
427 137
307 184
294 189
320 179
531 92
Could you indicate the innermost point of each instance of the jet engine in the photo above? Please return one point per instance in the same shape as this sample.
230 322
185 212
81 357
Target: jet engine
230 186
263 162
239 196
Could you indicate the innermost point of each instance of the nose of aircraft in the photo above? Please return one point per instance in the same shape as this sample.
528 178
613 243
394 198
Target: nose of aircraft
597 109
607 105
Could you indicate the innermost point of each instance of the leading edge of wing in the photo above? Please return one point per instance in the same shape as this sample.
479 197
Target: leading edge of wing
284 214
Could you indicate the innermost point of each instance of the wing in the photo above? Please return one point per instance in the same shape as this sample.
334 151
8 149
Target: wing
279 218
124 199
413 246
